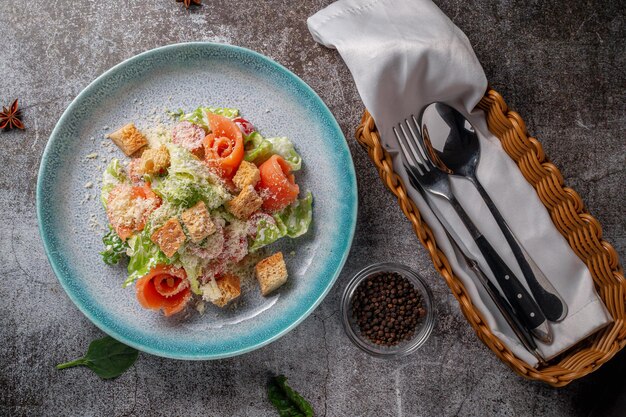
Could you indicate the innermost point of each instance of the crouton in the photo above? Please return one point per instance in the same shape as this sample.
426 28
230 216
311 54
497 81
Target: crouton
198 222
128 139
169 237
246 203
271 273
230 287
154 161
247 174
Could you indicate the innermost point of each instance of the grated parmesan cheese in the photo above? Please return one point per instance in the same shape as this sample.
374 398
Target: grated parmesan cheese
128 211
210 291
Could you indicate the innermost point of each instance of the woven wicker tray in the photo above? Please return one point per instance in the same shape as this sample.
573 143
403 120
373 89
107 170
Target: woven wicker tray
568 213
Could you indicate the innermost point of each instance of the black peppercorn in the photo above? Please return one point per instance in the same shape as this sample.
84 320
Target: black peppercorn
387 308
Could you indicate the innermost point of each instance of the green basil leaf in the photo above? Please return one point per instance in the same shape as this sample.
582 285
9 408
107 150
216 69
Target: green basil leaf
286 400
107 357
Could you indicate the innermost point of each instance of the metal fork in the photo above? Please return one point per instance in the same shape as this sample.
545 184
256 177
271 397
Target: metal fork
520 330
437 183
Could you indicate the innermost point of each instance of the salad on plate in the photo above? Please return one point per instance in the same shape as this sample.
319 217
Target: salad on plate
195 203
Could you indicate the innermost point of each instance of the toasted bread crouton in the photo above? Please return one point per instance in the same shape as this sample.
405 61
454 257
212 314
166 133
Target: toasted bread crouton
247 174
246 203
230 287
271 273
198 222
128 139
169 237
154 161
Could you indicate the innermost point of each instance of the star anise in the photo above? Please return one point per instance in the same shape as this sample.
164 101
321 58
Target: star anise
10 118
188 3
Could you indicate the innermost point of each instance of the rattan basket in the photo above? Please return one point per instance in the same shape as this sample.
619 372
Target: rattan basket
568 213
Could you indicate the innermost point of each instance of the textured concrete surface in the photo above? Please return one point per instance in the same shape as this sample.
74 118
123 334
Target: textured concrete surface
562 65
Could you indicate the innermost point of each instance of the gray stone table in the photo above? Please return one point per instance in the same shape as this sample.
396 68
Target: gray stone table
561 64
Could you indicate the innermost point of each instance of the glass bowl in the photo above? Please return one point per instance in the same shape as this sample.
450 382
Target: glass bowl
424 326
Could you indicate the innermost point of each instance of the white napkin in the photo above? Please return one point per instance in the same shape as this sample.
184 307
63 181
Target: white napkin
406 54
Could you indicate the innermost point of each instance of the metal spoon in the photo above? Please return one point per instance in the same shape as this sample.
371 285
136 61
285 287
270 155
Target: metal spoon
454 148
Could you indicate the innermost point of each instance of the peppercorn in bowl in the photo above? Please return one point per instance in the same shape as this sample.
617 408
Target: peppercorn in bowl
387 310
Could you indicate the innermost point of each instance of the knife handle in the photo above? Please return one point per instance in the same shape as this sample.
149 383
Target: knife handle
503 306
526 308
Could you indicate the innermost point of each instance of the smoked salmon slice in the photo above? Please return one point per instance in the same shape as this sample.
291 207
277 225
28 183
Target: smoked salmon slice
223 147
164 288
278 186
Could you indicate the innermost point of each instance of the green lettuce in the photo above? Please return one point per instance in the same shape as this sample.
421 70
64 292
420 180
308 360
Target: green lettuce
292 221
143 256
114 175
114 248
159 216
193 268
283 147
258 149
267 233
199 117
189 181
296 217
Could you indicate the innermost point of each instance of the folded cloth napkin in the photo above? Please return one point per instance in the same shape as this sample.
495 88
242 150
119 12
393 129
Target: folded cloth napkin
406 54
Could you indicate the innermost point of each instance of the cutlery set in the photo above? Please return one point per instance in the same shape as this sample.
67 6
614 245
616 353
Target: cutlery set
442 143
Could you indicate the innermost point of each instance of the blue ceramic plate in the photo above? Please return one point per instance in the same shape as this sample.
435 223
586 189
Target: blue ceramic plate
278 103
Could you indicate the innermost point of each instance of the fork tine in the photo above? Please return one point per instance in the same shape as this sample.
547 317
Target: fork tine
413 144
420 144
410 158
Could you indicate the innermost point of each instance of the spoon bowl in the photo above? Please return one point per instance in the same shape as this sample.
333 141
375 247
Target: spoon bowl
452 138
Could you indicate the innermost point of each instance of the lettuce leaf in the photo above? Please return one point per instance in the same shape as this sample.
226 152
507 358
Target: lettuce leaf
258 149
284 147
114 174
159 216
189 181
143 256
292 221
114 248
267 233
193 269
296 217
198 116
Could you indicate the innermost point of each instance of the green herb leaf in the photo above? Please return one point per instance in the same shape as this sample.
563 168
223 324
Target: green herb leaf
114 248
107 357
287 401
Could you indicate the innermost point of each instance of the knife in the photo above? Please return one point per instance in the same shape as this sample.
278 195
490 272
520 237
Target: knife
512 319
